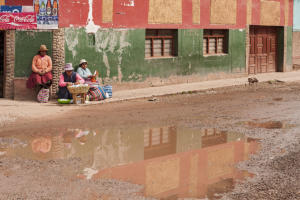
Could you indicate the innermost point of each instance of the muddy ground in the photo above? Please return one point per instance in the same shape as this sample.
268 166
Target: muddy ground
268 111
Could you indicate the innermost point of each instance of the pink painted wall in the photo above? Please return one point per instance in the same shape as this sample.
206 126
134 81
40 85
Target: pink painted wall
75 13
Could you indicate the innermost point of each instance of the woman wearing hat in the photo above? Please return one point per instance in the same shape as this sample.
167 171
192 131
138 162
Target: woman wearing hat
83 71
41 69
69 77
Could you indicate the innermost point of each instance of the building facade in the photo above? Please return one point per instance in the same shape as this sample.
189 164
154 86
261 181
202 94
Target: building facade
296 35
153 42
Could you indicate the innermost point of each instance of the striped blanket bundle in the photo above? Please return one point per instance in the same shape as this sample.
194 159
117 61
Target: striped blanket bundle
108 89
96 93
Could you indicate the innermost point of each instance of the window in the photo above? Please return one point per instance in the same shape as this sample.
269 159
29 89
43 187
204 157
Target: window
156 137
215 42
160 43
159 142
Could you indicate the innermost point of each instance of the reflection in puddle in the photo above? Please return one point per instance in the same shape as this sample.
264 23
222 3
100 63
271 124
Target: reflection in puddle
170 162
267 125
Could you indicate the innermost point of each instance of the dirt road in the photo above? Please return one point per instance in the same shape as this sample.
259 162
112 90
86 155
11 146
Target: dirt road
268 112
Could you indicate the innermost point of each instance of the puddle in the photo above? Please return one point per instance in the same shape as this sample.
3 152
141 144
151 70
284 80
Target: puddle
170 162
277 99
267 125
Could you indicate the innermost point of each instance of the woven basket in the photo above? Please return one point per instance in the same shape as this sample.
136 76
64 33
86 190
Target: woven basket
78 89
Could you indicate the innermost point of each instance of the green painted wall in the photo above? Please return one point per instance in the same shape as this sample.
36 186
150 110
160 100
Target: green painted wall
27 46
289 58
289 49
119 54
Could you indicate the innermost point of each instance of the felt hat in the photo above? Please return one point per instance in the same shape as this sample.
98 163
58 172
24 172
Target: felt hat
69 67
82 61
43 48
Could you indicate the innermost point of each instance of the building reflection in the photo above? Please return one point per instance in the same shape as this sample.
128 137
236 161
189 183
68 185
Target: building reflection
170 162
211 137
159 142
175 168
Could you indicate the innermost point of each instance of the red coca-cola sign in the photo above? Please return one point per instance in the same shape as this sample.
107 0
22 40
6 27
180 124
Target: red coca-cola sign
18 21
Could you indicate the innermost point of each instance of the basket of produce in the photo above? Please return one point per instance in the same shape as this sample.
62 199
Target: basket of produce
77 89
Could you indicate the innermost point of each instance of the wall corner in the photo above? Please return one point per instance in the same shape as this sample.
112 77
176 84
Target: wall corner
58 57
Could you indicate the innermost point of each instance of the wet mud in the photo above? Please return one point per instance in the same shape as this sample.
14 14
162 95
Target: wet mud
267 125
232 143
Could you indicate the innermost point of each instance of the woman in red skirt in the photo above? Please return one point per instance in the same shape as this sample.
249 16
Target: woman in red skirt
41 69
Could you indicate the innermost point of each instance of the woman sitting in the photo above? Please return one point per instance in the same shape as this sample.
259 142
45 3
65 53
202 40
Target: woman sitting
85 73
83 70
69 77
41 69
96 92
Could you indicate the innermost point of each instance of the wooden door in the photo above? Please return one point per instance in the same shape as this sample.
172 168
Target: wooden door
263 47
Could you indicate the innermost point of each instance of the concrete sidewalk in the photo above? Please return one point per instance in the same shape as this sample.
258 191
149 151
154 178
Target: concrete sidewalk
198 86
12 110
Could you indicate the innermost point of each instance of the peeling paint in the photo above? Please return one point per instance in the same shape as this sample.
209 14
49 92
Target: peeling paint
123 45
91 27
106 63
111 151
113 42
71 38
130 3
120 75
30 33
110 45
89 172
136 77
